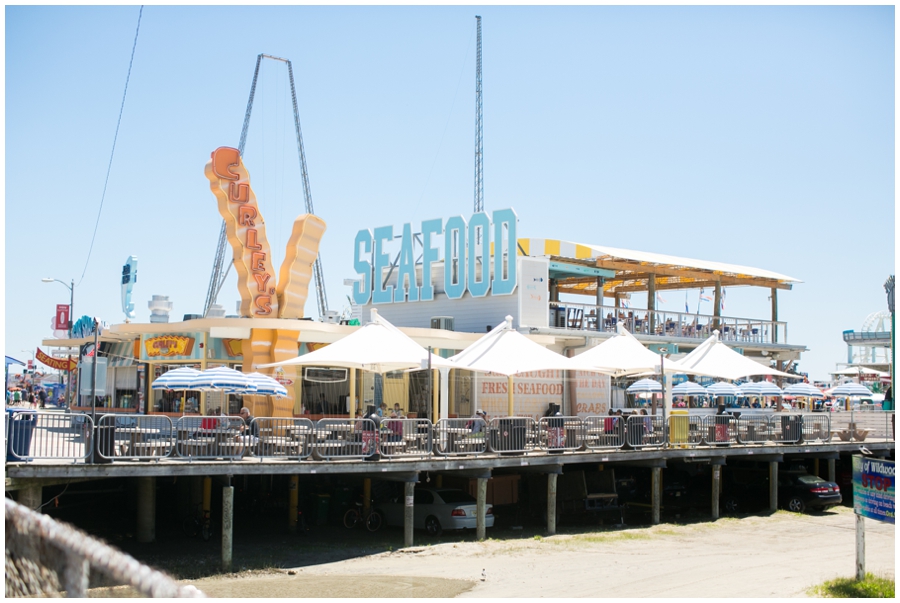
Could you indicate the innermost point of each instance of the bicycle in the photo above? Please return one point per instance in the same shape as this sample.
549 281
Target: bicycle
198 523
354 517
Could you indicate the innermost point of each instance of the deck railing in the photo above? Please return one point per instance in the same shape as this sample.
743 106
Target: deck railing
58 436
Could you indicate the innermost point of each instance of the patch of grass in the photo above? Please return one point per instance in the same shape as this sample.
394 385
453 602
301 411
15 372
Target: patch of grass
538 537
868 588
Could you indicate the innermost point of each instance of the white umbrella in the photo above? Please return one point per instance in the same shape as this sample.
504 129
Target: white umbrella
267 386
225 379
688 388
377 347
644 386
724 389
180 379
859 370
714 358
762 389
505 351
851 390
623 354
804 390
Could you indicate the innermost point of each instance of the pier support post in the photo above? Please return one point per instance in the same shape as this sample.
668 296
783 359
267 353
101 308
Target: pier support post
146 509
227 526
367 495
832 473
551 504
293 500
716 483
773 486
30 497
480 508
409 492
655 489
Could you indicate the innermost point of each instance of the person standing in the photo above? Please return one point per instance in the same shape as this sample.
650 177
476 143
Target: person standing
42 396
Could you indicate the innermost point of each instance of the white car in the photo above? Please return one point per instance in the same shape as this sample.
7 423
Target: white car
436 510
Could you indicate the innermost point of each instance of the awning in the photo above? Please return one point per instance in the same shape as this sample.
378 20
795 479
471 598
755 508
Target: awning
119 353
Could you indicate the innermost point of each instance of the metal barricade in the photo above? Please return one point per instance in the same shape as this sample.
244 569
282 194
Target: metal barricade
685 430
345 439
645 431
405 438
514 435
559 434
754 429
719 430
460 437
857 426
282 438
788 428
604 432
140 437
48 435
211 437
816 427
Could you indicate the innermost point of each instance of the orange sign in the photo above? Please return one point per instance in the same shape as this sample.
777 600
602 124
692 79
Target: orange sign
57 363
168 345
233 347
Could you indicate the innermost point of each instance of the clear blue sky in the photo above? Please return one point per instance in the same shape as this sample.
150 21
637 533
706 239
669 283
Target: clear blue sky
761 136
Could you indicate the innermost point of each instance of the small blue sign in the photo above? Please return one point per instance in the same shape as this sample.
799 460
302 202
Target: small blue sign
873 488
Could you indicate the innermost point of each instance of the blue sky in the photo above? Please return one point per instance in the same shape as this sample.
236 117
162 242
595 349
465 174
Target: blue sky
761 136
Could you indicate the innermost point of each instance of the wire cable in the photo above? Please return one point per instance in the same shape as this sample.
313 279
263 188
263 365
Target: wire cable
113 152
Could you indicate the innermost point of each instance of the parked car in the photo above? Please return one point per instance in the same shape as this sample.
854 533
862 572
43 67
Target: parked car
798 491
436 510
747 489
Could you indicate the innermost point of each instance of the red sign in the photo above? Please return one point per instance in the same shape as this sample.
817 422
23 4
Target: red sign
62 317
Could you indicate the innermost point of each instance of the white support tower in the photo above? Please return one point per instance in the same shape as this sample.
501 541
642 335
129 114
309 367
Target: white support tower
479 134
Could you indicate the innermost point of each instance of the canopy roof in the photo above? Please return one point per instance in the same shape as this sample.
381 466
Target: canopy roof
378 347
623 354
860 370
714 358
633 269
505 351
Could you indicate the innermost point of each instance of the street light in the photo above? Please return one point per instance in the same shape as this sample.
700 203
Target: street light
71 288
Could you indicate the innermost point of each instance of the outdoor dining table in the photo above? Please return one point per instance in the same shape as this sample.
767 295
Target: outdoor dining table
138 440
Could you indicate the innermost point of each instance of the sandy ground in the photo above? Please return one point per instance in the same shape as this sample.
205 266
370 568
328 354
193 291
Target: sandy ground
757 556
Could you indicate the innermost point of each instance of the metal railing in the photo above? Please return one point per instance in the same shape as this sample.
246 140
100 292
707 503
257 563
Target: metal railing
212 437
565 315
512 435
137 437
601 432
558 434
282 438
645 431
34 435
461 437
405 438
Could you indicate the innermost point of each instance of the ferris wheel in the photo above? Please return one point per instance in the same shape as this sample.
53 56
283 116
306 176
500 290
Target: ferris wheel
876 322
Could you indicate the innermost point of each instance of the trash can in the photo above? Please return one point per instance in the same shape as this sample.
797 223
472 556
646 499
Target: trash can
19 430
556 434
791 428
509 436
320 516
679 428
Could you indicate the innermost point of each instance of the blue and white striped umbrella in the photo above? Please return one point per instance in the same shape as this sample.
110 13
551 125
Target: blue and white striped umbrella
180 378
267 386
804 390
851 390
689 388
724 389
225 379
645 386
763 389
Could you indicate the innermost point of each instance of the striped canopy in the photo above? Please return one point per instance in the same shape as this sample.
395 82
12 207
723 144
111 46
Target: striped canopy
851 390
689 388
645 386
225 379
762 389
724 389
180 378
803 389
267 386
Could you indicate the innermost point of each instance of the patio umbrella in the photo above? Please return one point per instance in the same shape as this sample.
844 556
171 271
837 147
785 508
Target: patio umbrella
623 354
714 358
225 379
689 388
724 389
762 389
178 379
804 390
267 386
645 386
851 390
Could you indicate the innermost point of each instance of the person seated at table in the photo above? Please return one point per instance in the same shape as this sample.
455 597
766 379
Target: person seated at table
248 427
397 412
476 425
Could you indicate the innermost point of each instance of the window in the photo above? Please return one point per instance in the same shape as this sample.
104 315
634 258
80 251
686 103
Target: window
456 496
423 497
